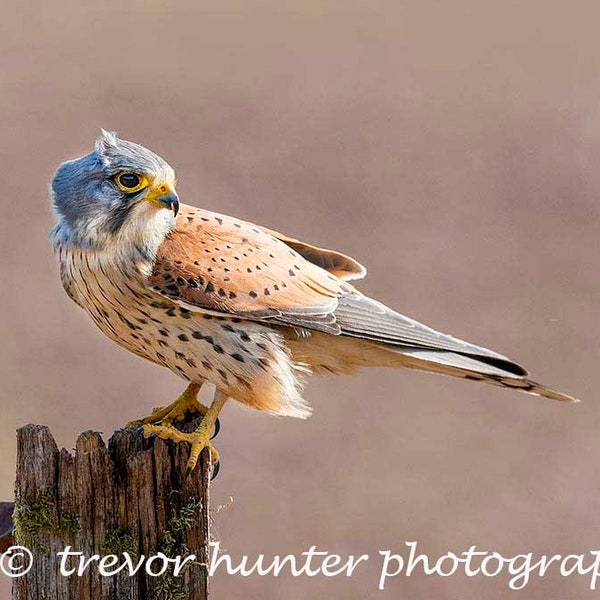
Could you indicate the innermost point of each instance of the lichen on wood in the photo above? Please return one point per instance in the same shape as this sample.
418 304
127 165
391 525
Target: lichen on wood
130 496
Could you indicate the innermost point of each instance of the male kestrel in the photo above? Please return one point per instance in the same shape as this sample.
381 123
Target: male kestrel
217 299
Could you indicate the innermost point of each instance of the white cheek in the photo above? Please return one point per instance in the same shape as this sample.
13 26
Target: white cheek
146 227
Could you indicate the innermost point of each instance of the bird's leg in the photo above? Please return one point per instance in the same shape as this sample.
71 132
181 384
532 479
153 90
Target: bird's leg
198 439
185 404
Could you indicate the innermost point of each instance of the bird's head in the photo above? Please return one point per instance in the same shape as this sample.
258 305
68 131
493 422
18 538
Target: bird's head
121 194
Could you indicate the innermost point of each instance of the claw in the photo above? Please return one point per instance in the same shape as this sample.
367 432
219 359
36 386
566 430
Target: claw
216 469
216 429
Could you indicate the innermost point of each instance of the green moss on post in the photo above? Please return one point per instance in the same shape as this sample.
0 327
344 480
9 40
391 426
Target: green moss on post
131 496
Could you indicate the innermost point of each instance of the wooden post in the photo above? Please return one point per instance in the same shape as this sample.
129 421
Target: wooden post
131 496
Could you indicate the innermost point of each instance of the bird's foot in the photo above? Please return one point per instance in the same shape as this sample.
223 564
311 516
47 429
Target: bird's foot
186 404
198 439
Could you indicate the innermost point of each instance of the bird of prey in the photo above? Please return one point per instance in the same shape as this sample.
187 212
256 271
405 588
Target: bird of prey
220 300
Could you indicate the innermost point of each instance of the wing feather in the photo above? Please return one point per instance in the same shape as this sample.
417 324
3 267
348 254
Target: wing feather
222 265
218 263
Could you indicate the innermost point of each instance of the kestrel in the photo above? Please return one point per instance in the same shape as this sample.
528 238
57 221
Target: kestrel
216 299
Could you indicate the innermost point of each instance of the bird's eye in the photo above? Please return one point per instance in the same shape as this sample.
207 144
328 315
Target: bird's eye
131 182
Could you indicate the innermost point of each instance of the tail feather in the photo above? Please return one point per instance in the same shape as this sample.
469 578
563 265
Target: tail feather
467 367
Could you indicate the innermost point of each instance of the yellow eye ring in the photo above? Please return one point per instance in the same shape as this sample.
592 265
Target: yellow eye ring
131 182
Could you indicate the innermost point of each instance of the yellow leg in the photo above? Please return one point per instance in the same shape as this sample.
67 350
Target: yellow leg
200 438
186 403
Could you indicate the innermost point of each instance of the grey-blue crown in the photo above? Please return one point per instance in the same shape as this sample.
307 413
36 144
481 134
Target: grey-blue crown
84 192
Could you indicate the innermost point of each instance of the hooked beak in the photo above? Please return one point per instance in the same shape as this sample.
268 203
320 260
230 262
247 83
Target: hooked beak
165 197
170 201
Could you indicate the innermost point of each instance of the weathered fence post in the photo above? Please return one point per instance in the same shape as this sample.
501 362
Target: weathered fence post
131 496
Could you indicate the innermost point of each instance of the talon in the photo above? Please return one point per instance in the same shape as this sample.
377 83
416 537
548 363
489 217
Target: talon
139 431
186 403
198 440
216 429
216 469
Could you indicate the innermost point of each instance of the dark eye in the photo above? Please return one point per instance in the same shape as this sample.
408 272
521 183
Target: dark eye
128 181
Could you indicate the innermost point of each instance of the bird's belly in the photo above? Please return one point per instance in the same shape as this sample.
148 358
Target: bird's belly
245 359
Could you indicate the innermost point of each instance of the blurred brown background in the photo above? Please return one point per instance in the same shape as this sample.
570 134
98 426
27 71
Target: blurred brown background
453 147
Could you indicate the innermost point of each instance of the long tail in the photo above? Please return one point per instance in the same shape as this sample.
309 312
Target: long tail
408 343
449 363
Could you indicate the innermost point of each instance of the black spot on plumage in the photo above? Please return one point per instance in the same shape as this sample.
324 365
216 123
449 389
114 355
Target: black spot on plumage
178 262
183 337
171 312
256 230
222 292
236 320
196 263
207 365
179 355
237 225
237 357
252 294
242 381
267 292
222 374
163 332
244 336
219 220
232 295
197 335
135 336
261 346
172 288
191 362
248 270
208 317
210 339
190 219
192 283
291 273
218 349
275 287
180 281
204 219
213 259
227 327
160 356
209 287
